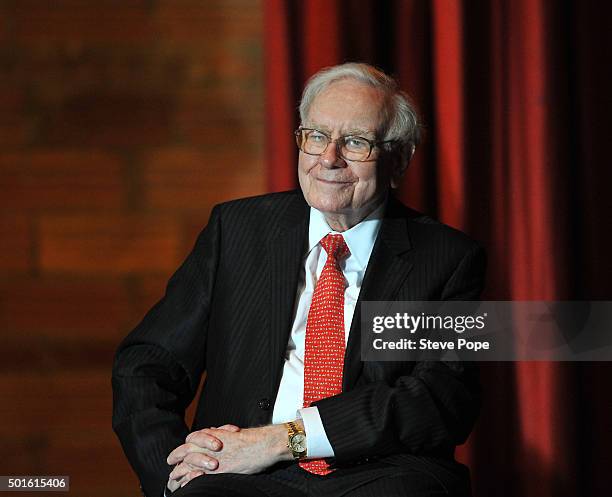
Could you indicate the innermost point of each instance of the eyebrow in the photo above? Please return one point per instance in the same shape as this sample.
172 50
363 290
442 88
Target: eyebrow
348 132
359 131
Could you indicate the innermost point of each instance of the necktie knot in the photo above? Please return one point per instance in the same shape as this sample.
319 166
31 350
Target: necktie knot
335 246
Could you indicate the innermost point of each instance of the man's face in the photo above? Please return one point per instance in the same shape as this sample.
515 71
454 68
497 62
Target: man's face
336 186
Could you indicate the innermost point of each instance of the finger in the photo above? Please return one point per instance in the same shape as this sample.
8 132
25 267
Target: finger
173 485
201 461
233 428
180 470
205 440
190 476
178 454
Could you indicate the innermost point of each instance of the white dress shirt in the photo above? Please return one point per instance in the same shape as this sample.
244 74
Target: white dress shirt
290 399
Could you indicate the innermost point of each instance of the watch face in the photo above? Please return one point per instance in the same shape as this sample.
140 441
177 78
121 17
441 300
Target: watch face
298 443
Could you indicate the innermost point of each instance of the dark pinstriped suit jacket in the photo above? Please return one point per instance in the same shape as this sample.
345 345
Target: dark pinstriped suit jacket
228 311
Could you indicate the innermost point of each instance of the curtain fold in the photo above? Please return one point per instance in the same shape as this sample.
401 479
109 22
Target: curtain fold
515 107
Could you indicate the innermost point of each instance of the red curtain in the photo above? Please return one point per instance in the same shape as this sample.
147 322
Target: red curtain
516 106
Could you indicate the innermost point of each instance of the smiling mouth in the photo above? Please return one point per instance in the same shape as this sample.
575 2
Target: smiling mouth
334 181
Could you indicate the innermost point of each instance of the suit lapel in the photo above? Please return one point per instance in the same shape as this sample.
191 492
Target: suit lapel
285 254
389 265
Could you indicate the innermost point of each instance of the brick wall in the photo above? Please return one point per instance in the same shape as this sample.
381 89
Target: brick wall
121 123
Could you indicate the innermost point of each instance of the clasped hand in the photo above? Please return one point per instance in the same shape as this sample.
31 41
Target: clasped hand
227 449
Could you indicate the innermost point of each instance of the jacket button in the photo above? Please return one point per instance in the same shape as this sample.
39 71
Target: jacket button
264 404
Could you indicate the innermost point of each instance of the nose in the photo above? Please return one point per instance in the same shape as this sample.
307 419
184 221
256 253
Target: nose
330 157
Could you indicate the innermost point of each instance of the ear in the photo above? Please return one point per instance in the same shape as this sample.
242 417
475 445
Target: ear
398 168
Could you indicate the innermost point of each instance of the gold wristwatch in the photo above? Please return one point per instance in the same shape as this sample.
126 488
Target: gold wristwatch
296 440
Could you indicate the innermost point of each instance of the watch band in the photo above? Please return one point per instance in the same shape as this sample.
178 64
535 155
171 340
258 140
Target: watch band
292 430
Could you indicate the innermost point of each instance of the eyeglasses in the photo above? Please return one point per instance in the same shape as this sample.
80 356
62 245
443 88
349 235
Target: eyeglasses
350 147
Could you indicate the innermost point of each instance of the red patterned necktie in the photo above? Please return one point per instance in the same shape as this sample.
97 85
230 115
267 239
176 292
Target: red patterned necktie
324 348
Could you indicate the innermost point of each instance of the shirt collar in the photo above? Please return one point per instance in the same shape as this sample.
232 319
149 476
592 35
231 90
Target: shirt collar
359 239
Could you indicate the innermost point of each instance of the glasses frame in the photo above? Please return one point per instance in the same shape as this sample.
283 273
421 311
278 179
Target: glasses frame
337 141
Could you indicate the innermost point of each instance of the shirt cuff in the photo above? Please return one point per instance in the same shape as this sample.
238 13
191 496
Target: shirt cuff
317 443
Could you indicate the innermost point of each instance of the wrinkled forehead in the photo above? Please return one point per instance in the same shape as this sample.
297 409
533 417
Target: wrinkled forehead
347 107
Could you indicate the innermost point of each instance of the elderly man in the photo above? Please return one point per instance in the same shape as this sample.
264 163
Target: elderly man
268 305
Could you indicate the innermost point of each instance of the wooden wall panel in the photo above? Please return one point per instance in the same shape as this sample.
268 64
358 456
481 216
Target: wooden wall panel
61 179
122 124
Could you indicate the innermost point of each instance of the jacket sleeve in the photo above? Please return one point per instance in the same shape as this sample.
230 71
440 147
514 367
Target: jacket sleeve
429 410
157 368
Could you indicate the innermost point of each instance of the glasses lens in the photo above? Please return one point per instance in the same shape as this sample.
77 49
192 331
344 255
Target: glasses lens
314 142
355 148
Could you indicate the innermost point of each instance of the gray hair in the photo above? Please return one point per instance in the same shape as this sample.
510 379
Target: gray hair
400 120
